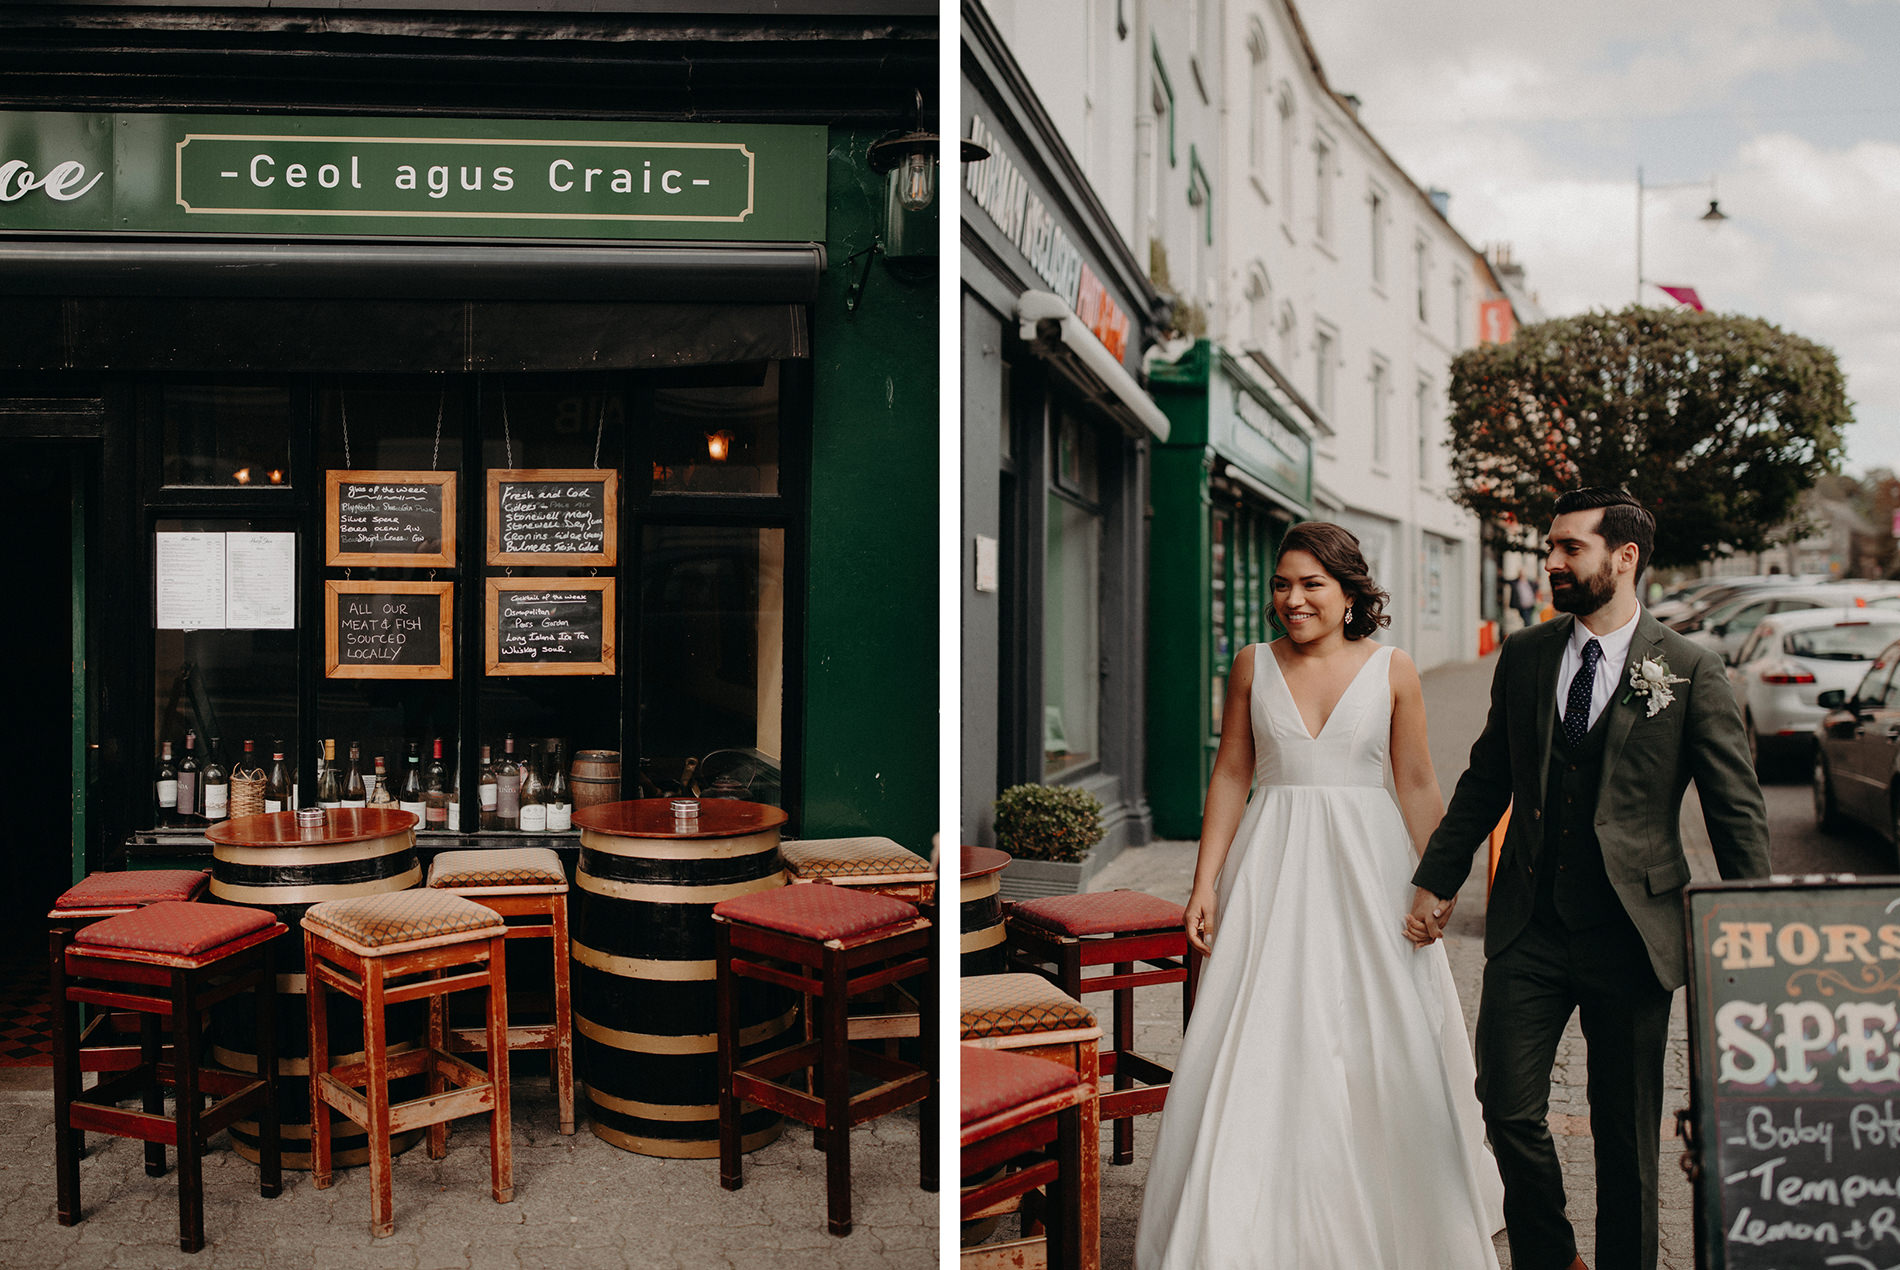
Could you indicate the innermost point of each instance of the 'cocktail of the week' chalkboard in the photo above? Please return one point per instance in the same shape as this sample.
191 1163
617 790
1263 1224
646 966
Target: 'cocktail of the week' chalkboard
1795 996
551 626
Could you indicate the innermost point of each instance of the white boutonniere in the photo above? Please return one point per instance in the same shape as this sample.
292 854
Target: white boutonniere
1650 679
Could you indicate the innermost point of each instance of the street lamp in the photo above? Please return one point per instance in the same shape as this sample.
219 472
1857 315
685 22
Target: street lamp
1714 215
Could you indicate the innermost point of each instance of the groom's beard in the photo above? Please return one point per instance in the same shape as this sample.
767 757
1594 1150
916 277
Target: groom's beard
1572 594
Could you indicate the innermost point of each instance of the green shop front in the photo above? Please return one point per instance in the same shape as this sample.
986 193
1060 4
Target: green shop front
1234 473
436 429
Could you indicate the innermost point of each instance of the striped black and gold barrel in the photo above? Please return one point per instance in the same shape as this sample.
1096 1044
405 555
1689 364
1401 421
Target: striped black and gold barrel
267 862
642 936
980 910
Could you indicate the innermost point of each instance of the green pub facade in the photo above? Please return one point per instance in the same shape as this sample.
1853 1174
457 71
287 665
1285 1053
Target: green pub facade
463 374
1233 474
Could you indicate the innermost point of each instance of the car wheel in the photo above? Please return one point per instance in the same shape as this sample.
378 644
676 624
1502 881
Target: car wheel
1827 814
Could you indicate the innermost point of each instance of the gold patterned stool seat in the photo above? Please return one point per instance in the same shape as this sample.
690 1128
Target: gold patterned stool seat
873 864
527 886
382 950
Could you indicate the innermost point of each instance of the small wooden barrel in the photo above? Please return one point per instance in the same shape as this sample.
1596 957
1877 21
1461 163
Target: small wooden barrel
593 779
643 970
267 862
984 944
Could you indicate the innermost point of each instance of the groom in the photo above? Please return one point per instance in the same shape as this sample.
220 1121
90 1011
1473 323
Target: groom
1586 909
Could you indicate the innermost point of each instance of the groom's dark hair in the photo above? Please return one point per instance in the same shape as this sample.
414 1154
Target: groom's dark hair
1624 519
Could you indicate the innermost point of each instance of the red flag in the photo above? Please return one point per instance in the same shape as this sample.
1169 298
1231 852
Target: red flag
1683 295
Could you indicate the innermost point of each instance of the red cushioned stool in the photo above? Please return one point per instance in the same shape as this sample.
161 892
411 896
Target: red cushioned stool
1058 936
1026 1114
172 960
831 944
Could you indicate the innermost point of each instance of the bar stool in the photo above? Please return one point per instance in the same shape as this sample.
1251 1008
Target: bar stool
527 886
167 961
1059 936
831 944
883 867
1024 1113
380 950
1028 1014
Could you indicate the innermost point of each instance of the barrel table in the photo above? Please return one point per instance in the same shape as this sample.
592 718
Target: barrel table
272 863
642 937
981 911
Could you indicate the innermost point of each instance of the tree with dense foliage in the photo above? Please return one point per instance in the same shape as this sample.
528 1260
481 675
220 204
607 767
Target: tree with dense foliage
1716 422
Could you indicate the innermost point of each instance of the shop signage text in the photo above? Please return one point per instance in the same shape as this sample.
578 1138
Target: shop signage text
1269 442
200 173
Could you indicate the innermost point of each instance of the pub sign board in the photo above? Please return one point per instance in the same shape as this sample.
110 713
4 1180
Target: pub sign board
406 519
550 626
1794 1052
389 630
304 175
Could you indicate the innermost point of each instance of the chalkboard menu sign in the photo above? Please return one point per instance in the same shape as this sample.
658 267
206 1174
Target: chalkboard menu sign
405 519
552 516
1794 1051
389 630
551 626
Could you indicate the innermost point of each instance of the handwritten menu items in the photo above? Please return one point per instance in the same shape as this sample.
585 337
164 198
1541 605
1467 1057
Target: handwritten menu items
405 519
389 630
551 626
1794 1047
552 516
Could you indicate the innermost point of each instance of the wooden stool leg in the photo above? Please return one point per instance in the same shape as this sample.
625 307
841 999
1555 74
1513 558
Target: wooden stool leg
316 997
1064 1222
66 1078
270 1154
500 1130
1124 1024
151 1054
725 1030
563 1018
382 1204
927 1025
185 1053
439 1041
835 1057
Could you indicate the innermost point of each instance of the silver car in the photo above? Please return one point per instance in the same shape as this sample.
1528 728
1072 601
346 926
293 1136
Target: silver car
1727 626
1790 659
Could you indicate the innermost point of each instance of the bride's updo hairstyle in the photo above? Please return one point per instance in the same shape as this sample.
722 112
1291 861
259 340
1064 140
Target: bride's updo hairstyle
1338 553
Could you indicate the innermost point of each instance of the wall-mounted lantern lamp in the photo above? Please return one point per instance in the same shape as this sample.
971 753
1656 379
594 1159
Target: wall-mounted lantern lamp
908 242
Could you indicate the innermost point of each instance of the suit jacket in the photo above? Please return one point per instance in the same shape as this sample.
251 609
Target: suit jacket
1648 763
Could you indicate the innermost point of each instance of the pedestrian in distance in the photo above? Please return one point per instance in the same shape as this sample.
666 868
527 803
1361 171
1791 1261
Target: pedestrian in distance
1524 597
1598 721
1321 1113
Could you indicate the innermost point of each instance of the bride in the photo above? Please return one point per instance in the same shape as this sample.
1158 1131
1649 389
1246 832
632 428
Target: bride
1322 1114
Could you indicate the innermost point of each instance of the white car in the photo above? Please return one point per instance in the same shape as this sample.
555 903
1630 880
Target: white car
1790 659
1725 627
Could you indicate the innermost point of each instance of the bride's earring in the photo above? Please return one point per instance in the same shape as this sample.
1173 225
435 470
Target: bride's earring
1348 619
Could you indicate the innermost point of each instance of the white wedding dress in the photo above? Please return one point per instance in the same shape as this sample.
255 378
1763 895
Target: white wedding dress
1322 1115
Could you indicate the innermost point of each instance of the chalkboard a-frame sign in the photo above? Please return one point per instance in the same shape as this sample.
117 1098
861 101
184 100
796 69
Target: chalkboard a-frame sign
1794 1056
553 516
389 630
550 626
403 519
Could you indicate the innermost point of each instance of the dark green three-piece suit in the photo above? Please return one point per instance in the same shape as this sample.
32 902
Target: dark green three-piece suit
1586 914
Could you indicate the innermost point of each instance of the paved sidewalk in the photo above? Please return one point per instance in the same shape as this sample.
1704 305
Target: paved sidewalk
579 1204
1456 698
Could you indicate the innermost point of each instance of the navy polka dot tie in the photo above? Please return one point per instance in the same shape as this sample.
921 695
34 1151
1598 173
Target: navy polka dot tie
1577 707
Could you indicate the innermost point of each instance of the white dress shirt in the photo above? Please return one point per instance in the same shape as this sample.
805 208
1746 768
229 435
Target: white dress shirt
1610 667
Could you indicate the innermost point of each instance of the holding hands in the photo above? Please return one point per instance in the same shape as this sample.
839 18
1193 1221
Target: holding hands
1426 923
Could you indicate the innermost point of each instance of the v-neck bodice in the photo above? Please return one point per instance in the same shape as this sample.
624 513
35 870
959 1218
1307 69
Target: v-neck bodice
1350 748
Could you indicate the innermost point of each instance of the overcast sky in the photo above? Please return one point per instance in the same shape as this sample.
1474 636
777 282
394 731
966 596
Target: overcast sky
1537 116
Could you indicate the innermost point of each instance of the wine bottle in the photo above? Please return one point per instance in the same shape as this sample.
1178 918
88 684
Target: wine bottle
455 798
488 792
188 781
167 785
217 783
329 788
435 791
508 786
277 784
355 793
410 799
534 808
559 802
380 795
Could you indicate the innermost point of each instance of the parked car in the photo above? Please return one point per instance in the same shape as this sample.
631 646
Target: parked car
1789 660
1726 626
1856 774
1698 606
1697 594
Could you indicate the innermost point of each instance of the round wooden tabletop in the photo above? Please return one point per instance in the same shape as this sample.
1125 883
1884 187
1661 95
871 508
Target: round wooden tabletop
978 861
653 818
280 828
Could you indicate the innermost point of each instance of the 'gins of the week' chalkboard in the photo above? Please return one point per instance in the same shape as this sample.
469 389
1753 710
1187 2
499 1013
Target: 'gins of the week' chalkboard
406 519
551 626
389 630
552 516
1794 1050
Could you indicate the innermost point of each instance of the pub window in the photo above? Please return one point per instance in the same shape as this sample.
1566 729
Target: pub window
229 434
1072 610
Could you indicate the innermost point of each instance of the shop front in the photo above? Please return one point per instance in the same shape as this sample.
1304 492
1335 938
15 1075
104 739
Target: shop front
1234 473
504 451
